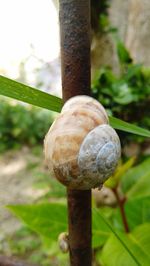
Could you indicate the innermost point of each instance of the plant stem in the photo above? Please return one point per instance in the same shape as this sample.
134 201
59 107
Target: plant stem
122 210
74 18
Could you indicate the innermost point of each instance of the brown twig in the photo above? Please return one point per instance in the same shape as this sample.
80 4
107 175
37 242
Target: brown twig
121 202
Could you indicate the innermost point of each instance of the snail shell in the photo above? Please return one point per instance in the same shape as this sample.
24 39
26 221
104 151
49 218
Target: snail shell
63 242
99 154
81 149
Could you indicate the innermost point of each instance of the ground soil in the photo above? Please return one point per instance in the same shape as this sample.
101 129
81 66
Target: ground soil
16 185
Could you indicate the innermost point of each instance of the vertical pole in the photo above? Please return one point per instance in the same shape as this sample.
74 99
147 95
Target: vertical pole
79 219
74 18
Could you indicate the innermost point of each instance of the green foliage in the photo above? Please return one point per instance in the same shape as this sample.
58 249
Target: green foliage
99 15
134 188
125 96
136 174
123 54
27 241
33 96
123 241
24 243
137 211
109 237
20 125
101 232
50 219
114 92
47 219
122 168
138 242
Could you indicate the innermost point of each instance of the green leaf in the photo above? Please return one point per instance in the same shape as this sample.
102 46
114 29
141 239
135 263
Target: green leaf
21 92
101 232
123 54
114 254
123 168
127 127
134 175
124 100
141 188
141 235
132 71
138 241
137 211
49 220
113 180
124 94
118 236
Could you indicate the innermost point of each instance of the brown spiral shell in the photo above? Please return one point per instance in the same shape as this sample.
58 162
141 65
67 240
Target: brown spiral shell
64 156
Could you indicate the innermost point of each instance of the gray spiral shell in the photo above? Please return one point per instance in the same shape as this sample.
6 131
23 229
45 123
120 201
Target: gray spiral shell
99 154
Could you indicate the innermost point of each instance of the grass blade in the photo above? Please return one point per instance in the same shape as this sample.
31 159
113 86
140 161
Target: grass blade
127 127
27 94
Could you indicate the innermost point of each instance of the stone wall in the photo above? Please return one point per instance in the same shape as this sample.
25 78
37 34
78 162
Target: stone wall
132 18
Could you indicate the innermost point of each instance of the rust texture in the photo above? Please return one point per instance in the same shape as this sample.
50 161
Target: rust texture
79 216
75 47
74 18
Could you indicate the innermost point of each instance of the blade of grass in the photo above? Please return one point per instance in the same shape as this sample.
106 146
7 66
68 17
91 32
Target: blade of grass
127 127
27 94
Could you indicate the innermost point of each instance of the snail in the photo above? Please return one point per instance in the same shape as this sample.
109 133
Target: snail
81 149
63 242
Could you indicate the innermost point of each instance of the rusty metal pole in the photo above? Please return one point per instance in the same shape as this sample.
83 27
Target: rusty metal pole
74 18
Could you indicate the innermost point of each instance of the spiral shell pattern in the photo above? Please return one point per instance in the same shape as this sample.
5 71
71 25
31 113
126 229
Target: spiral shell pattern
67 153
99 154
